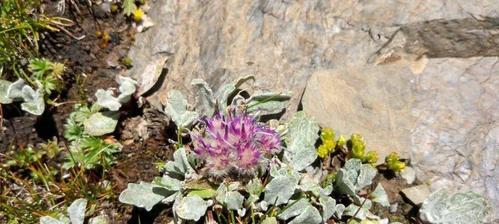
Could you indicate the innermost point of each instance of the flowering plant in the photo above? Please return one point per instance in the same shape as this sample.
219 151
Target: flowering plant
234 143
244 169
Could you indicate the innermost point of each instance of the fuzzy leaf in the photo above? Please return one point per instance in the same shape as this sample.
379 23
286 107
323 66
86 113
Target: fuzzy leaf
205 101
340 208
141 195
309 216
50 220
443 206
76 211
191 207
234 200
354 176
99 124
176 108
106 99
4 87
379 195
360 213
280 189
300 139
127 88
328 207
267 103
101 219
15 90
254 187
33 101
295 209
223 94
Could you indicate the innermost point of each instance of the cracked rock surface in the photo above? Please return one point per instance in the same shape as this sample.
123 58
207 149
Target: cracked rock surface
418 77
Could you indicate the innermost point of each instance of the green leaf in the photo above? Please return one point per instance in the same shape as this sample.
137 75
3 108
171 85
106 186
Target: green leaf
191 207
267 103
128 7
354 176
99 124
176 108
300 140
443 206
203 193
4 86
76 211
33 101
141 195
379 195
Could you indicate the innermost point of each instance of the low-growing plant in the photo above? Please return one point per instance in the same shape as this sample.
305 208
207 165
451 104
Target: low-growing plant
33 184
239 169
20 31
76 215
46 76
87 126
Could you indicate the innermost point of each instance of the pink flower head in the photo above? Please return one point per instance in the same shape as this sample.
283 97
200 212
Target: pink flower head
234 142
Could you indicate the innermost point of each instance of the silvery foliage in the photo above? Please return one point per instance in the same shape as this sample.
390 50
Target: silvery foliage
354 176
261 103
106 98
300 140
76 213
101 123
294 184
169 188
32 101
445 207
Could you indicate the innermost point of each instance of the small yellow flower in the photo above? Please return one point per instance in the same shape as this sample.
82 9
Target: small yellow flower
371 157
138 15
393 162
322 151
327 134
341 141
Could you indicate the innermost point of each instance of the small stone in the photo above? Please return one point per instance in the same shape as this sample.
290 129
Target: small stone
409 174
417 194
394 208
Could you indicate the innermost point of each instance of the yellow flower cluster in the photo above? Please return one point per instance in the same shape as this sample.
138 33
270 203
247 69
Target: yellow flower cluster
393 162
358 147
328 143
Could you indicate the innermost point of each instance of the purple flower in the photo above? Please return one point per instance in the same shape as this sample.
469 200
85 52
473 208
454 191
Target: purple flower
234 142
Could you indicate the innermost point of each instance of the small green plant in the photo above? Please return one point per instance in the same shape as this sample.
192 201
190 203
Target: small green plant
20 32
46 77
87 126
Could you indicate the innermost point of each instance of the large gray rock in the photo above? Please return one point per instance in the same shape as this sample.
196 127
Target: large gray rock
418 77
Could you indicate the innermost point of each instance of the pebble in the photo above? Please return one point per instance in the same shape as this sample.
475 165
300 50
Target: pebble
409 174
417 194
394 208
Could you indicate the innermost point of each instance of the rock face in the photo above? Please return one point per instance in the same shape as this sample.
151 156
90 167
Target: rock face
419 77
